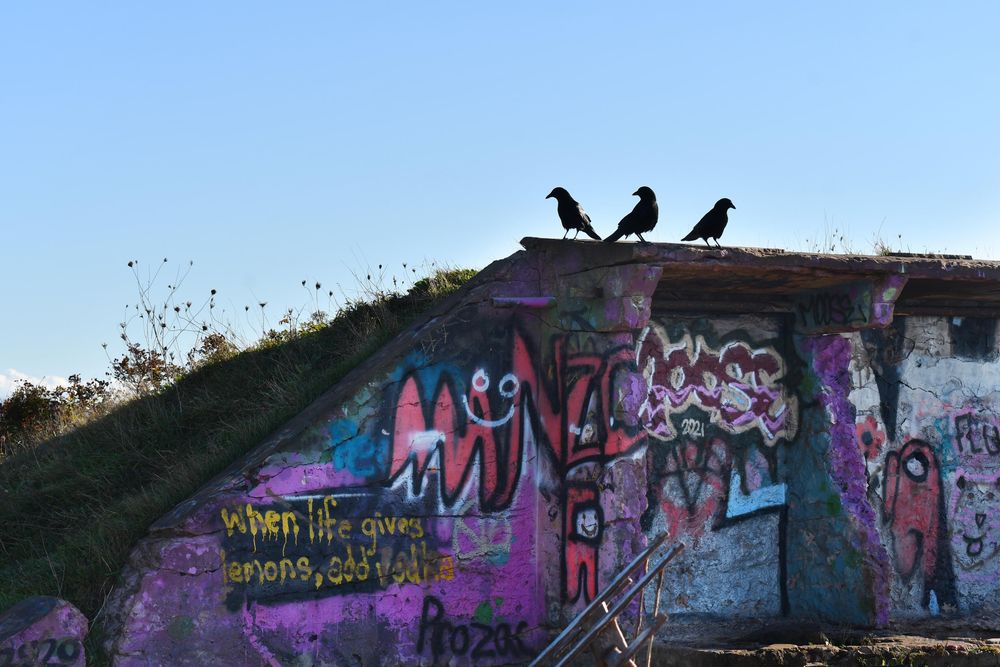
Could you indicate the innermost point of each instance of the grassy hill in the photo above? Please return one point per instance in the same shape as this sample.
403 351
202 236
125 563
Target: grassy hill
72 509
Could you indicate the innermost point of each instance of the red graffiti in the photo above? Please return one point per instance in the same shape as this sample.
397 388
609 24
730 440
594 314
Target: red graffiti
694 479
582 528
913 507
578 408
870 438
582 402
462 435
583 406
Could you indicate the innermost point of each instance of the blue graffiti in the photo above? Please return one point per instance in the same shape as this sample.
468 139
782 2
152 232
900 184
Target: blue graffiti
360 454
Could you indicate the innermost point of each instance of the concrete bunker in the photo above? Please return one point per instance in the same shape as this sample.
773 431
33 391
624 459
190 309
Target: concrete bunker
821 431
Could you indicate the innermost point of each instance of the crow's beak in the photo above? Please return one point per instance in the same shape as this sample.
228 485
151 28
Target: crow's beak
635 194
732 205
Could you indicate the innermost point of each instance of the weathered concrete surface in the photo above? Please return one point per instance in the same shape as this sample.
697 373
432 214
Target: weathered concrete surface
886 650
820 431
42 631
765 643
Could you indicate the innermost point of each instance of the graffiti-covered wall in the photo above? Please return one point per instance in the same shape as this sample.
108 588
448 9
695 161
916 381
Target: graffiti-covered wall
462 494
717 410
452 502
927 393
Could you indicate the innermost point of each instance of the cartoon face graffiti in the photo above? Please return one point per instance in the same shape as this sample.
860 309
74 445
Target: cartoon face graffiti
912 497
975 523
583 528
507 388
914 512
587 523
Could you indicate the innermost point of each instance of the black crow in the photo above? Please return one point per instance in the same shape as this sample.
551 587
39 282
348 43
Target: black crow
641 219
712 224
572 214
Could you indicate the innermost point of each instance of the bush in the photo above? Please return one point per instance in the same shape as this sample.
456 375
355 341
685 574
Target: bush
33 413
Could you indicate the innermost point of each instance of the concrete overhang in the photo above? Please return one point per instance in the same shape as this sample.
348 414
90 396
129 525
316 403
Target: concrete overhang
762 280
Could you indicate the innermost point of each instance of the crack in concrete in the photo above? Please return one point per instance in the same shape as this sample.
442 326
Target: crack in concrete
913 388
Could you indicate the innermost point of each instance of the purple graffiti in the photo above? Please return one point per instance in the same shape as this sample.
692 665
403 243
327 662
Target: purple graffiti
737 385
831 356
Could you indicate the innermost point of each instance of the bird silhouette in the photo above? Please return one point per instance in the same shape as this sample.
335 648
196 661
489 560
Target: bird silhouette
712 224
572 214
641 219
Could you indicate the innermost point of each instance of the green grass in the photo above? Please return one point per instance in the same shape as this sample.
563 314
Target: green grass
72 509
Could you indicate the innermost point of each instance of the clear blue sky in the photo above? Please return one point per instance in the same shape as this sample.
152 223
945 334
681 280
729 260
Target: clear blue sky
276 142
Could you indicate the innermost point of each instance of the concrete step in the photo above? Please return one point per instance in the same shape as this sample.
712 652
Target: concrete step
929 643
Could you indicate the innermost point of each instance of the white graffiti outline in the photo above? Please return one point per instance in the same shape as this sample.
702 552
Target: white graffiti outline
480 383
489 537
480 380
515 386
489 423
735 393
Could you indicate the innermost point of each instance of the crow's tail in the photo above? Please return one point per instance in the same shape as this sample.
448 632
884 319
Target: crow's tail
589 231
618 233
691 237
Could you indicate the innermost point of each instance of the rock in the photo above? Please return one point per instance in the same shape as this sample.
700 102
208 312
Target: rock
787 632
42 630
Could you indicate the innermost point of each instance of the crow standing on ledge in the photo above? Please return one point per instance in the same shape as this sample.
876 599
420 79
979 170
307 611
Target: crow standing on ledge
641 219
712 224
572 214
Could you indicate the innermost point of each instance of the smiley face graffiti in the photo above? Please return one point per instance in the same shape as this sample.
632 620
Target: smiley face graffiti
508 387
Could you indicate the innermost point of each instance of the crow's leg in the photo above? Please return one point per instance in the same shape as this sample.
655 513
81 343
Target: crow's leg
640 237
717 242
706 242
566 234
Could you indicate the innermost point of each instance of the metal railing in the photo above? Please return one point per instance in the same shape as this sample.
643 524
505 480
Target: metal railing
599 619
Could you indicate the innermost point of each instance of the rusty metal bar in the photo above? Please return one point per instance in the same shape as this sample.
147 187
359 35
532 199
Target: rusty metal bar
642 602
562 641
621 642
597 628
656 614
642 638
